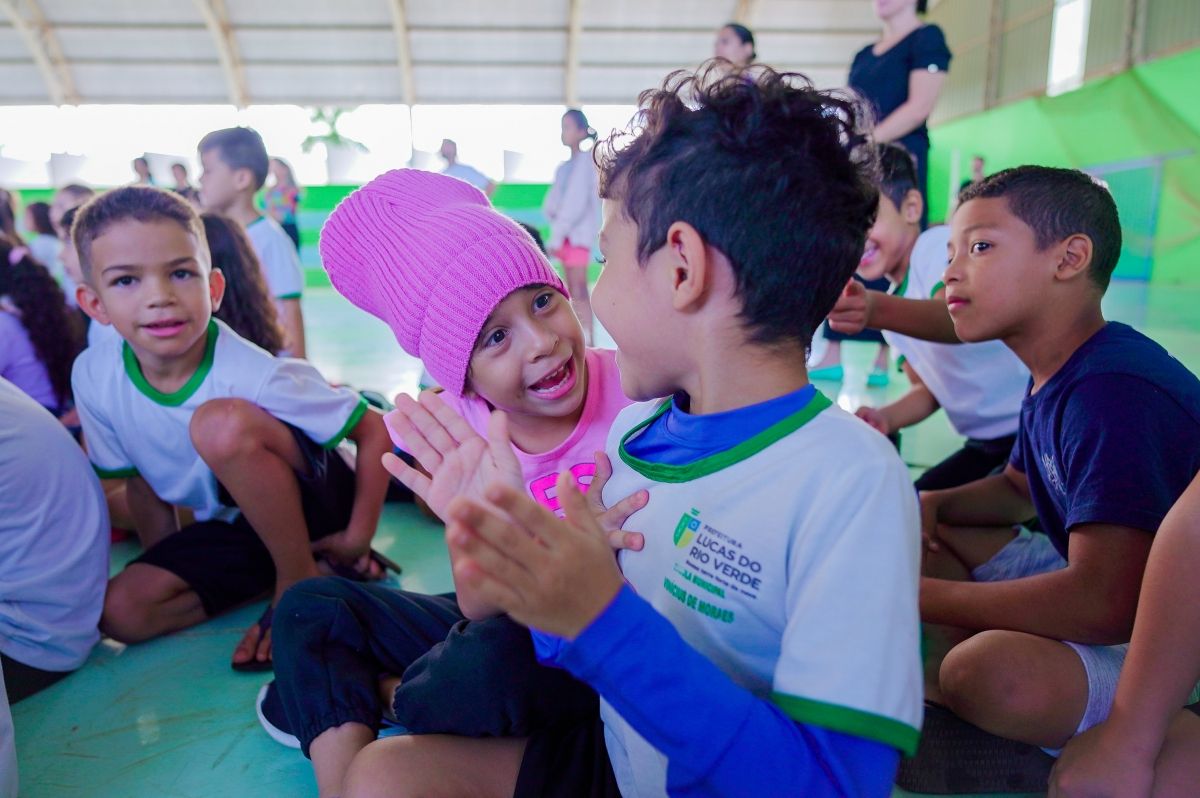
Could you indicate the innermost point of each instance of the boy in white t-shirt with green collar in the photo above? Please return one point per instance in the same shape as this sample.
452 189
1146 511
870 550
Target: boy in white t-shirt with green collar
194 416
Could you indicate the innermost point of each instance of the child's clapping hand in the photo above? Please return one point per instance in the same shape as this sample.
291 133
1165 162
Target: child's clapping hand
459 462
553 574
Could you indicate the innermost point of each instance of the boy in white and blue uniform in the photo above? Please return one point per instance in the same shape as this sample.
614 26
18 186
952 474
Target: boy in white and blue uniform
980 385
765 641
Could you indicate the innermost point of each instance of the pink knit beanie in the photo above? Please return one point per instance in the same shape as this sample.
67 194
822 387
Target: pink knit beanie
428 255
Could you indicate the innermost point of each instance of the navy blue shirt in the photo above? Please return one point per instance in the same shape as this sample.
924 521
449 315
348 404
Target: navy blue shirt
1112 438
883 79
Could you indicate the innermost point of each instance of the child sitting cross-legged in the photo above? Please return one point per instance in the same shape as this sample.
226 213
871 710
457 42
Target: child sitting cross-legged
764 641
1037 625
192 415
470 293
980 386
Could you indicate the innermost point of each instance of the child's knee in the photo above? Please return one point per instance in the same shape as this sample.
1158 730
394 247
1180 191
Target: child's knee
224 427
389 768
127 613
980 675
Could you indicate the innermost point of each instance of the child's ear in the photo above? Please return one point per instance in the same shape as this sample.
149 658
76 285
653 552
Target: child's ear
912 206
691 265
1074 257
243 179
216 288
90 303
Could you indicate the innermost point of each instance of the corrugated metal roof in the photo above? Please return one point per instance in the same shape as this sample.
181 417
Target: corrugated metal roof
348 52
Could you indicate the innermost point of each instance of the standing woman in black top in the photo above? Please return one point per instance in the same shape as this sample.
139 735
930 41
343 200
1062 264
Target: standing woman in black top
901 75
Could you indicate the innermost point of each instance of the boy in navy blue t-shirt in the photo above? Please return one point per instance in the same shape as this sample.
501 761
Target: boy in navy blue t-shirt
1109 439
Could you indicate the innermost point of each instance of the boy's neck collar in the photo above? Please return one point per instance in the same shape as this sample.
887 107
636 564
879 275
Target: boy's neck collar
1045 351
245 214
204 350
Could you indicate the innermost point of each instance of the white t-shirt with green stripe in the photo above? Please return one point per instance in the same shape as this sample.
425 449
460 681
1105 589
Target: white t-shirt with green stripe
278 258
792 562
133 429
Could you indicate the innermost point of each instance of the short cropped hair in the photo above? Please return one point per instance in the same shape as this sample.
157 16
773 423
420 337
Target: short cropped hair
770 171
240 148
1056 204
140 203
77 191
897 172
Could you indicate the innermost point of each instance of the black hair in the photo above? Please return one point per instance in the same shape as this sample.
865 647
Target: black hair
8 215
1057 204
581 122
239 148
745 36
922 6
77 190
897 172
247 307
68 219
180 165
55 332
142 161
39 212
141 203
769 170
535 235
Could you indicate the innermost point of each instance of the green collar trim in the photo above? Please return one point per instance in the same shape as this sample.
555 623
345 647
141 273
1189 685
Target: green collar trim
837 718
134 370
940 285
665 472
256 221
898 290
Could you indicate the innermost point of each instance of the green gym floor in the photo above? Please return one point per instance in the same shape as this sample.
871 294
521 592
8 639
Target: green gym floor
169 719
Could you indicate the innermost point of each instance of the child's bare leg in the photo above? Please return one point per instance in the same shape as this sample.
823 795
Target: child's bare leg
256 458
145 601
332 751
832 356
1177 769
961 549
1016 685
577 284
437 765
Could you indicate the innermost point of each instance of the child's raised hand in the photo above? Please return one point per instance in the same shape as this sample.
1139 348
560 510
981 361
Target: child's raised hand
554 574
852 310
613 518
458 461
874 418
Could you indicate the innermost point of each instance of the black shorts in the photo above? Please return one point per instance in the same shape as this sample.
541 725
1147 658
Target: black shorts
567 762
226 563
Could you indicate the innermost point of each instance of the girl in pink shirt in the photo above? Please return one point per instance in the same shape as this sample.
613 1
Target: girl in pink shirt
467 291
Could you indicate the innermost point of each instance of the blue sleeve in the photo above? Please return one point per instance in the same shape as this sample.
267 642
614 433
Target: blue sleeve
732 742
1118 470
929 49
1017 458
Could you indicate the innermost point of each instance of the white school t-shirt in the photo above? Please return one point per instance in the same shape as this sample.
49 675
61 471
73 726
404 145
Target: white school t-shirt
980 386
468 174
134 430
791 561
54 536
278 257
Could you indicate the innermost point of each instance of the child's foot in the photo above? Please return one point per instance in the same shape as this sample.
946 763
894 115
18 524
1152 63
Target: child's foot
878 378
272 717
253 653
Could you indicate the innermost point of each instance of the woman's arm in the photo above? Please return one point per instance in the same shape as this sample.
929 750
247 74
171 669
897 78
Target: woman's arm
923 90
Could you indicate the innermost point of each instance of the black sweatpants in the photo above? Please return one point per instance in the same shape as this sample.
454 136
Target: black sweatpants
333 639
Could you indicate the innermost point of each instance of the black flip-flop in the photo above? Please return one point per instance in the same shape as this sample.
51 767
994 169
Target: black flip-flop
255 665
956 758
354 575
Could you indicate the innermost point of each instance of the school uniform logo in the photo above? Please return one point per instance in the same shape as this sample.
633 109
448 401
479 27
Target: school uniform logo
1050 469
713 569
685 530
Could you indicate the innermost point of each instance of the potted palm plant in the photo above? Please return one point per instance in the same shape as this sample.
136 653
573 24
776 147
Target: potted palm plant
340 151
